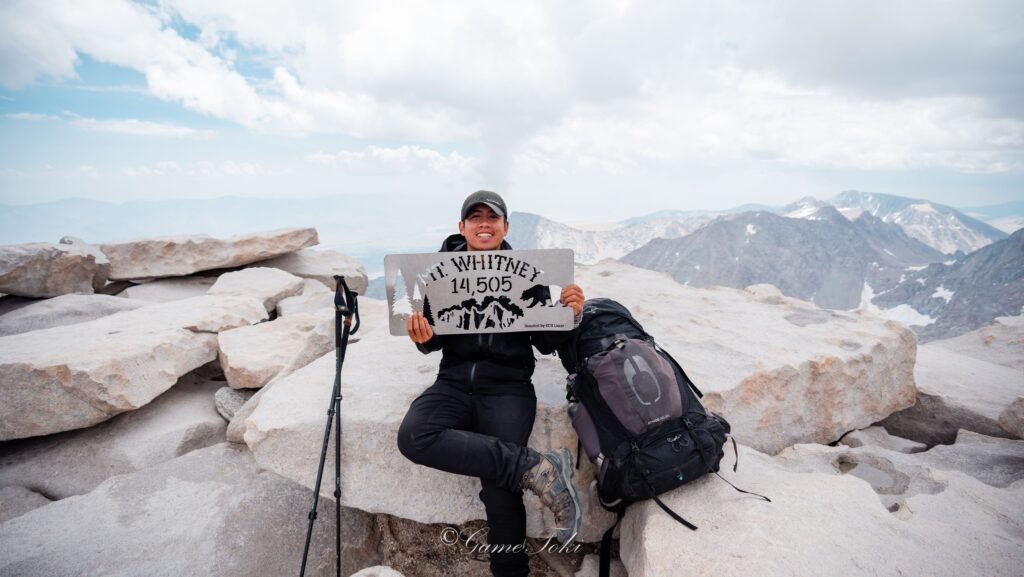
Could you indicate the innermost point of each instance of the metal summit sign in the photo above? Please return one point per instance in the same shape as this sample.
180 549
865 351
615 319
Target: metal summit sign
480 291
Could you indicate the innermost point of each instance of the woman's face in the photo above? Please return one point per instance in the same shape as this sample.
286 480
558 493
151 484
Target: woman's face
483 228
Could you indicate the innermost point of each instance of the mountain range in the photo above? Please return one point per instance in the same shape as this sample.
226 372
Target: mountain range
964 294
825 259
941 227
531 231
920 262
855 250
937 225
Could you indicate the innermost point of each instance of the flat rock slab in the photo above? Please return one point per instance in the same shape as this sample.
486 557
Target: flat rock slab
271 285
992 460
592 564
1000 342
1012 418
102 263
75 462
879 437
323 265
314 298
16 501
210 512
43 269
169 289
252 356
316 343
229 400
184 255
825 524
62 311
324 336
11 303
781 370
206 313
965 382
65 378
897 476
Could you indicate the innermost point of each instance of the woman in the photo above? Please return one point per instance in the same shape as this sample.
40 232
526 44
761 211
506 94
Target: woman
477 416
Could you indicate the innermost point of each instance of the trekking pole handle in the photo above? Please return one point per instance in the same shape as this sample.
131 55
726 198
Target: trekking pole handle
346 303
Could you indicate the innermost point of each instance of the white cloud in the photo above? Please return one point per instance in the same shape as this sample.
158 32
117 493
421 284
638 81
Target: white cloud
403 158
745 119
201 169
142 128
121 126
608 87
31 116
87 170
44 38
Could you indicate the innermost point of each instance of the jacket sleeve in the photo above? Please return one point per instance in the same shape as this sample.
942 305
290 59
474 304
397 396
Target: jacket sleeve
434 344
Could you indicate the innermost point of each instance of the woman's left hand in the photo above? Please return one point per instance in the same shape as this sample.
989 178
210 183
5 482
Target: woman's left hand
572 296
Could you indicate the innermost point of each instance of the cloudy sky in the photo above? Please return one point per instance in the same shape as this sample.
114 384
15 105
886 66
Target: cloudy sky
582 111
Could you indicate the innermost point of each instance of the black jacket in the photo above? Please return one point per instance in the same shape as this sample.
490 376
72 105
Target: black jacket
492 363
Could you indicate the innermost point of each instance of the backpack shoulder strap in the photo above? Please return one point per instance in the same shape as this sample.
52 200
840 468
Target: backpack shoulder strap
606 546
674 515
689 381
685 376
574 344
604 569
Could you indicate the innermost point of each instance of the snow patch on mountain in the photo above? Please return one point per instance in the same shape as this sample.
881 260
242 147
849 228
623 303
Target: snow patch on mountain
943 293
904 314
807 207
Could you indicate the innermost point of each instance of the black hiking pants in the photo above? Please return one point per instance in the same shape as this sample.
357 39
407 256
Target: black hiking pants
482 436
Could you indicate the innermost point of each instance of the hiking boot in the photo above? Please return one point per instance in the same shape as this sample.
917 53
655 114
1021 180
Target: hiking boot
551 481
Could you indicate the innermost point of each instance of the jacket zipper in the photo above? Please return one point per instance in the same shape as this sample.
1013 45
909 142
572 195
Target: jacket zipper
472 367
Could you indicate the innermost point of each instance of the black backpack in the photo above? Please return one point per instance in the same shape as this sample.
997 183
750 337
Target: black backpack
637 414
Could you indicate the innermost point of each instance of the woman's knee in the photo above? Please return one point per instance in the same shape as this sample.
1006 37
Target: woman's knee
414 439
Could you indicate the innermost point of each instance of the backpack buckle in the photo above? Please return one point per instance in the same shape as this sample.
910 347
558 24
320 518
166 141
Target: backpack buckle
678 442
570 388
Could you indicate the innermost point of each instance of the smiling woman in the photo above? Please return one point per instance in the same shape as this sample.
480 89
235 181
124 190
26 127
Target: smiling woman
477 416
483 221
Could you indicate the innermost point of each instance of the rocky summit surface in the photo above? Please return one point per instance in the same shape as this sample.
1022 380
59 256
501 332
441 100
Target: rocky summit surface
800 382
46 270
184 255
114 430
970 381
75 376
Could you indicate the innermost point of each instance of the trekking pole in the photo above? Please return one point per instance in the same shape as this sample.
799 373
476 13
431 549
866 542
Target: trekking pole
346 307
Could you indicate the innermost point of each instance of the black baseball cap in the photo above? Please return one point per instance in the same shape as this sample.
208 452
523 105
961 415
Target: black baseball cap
491 199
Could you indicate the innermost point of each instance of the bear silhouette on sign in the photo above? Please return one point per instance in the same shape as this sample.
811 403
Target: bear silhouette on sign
539 294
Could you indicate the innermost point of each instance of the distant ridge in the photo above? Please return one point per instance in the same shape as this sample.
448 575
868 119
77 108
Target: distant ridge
942 227
825 260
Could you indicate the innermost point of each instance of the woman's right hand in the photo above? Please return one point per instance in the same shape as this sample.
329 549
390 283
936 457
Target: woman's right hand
419 329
